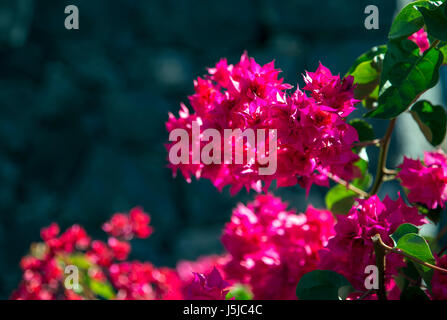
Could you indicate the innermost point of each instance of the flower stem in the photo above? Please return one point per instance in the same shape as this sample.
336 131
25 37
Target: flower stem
381 166
377 239
375 142
358 191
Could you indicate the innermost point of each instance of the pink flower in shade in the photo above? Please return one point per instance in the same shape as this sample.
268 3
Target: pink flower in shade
351 249
43 274
439 281
207 287
421 39
272 247
100 254
426 182
313 137
127 226
142 281
120 249
139 220
50 232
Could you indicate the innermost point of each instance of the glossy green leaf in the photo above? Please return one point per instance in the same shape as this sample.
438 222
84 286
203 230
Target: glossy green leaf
366 72
402 230
406 80
409 20
432 120
416 246
339 200
367 56
435 20
399 54
322 285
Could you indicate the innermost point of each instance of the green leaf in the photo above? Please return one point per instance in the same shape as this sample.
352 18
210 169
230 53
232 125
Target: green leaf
409 20
406 79
435 20
101 288
367 57
443 48
413 293
339 200
366 72
322 285
399 53
402 230
432 120
239 292
416 246
364 129
80 260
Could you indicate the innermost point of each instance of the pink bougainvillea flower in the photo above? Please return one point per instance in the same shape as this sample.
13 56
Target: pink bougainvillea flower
351 249
312 135
207 287
127 226
421 39
272 247
427 181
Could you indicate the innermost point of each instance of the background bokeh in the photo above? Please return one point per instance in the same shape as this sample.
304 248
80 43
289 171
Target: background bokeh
82 112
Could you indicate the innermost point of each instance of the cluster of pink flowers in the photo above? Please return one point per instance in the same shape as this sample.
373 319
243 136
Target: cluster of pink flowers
352 249
142 281
421 39
43 269
426 182
313 137
272 247
42 272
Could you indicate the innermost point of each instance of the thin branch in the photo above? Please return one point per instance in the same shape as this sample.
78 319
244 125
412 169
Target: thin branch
381 166
378 240
390 172
375 142
434 44
358 191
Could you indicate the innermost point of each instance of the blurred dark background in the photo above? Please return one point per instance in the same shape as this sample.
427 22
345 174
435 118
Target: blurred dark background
82 112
